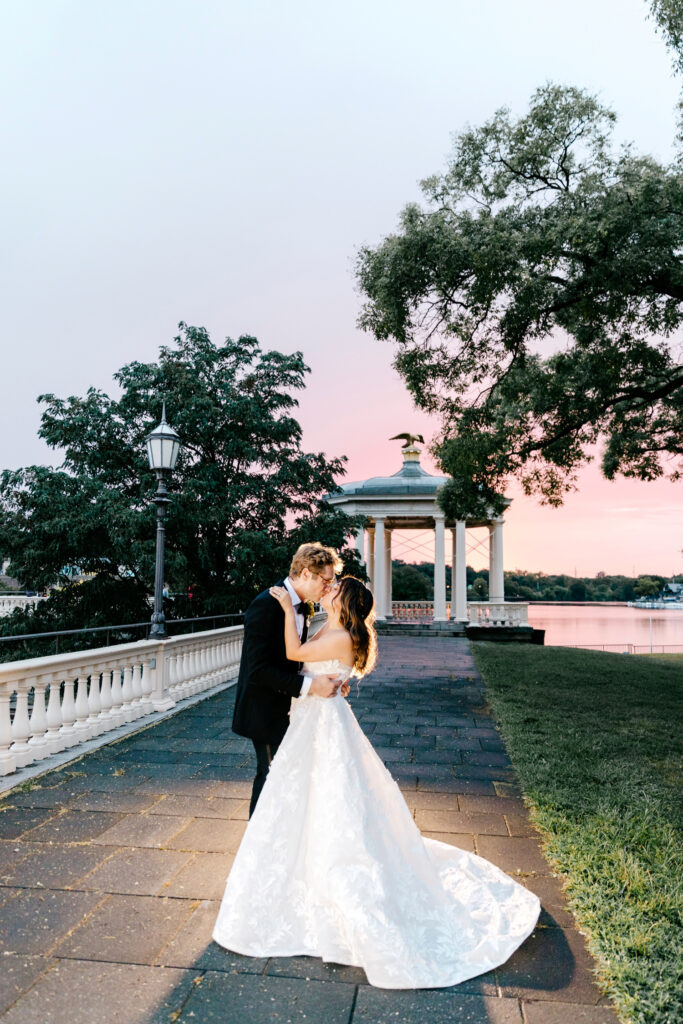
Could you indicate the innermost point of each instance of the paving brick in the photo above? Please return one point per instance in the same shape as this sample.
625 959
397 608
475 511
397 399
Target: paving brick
182 787
511 854
142 830
454 821
74 826
309 967
507 790
491 772
486 757
123 803
57 797
35 920
471 787
202 878
55 865
437 1006
549 890
233 788
293 1000
193 946
126 929
11 852
495 804
95 783
143 872
519 825
17 821
463 842
18 974
434 801
460 742
86 992
493 745
197 807
542 1012
552 964
208 836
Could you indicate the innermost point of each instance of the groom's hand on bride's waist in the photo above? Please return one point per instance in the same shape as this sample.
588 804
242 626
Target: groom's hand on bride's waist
325 686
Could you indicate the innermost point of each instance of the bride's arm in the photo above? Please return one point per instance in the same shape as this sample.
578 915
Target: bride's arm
329 645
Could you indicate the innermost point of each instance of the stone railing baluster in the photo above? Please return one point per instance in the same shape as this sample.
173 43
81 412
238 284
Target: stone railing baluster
81 725
94 702
21 726
105 716
126 693
40 748
68 729
54 736
136 687
8 763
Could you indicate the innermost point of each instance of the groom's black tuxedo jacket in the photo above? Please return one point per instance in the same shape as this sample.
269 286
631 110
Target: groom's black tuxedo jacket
267 679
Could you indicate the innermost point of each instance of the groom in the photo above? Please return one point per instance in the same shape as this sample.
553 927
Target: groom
267 679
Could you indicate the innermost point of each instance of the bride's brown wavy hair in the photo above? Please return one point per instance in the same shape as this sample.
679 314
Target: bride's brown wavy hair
356 616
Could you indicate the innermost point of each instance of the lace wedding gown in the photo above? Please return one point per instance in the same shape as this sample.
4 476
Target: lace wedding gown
332 865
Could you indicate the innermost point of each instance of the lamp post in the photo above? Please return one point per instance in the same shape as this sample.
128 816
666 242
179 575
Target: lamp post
163 446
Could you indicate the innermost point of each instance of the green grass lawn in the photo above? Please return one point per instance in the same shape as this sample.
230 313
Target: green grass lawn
597 743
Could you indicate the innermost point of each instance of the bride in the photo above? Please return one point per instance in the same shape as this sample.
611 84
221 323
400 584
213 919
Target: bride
332 864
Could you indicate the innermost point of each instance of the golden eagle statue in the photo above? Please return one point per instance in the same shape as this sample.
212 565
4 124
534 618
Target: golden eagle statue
408 439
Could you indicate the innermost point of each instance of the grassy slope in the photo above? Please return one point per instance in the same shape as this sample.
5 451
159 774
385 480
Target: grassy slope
597 743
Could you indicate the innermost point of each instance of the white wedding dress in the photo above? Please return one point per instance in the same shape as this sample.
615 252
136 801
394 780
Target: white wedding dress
332 865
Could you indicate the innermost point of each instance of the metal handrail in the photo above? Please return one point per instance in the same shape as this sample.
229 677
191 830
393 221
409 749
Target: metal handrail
56 634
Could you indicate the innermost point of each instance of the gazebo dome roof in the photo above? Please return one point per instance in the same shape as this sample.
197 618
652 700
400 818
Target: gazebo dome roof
410 479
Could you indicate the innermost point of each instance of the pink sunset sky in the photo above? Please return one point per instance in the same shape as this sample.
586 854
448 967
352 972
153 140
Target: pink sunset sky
624 526
221 163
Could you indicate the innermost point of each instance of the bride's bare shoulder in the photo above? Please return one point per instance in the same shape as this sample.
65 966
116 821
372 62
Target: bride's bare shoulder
341 637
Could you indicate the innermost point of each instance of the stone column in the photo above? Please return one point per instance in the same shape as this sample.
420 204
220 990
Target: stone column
371 556
387 569
454 563
460 558
379 575
360 544
439 569
496 576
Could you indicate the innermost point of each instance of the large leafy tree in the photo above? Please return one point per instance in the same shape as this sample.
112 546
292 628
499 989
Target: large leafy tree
244 493
534 302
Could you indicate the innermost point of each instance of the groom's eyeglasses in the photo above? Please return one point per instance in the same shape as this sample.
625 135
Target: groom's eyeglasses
330 580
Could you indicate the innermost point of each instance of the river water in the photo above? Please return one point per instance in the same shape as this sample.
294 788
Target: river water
614 628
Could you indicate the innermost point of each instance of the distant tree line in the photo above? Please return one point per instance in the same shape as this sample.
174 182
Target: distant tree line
416 583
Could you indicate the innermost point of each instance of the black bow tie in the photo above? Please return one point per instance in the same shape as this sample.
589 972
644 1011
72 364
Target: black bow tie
301 608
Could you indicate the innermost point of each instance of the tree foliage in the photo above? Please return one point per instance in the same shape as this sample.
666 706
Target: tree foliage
244 493
534 301
668 16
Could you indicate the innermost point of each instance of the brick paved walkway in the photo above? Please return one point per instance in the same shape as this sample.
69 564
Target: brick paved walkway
112 870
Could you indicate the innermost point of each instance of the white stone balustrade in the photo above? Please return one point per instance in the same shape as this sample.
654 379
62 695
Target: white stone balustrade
412 611
8 602
479 613
50 704
497 613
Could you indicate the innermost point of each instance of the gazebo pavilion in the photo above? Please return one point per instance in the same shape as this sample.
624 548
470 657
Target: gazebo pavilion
408 501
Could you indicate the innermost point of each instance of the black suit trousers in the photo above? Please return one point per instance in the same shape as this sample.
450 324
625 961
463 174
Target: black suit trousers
265 752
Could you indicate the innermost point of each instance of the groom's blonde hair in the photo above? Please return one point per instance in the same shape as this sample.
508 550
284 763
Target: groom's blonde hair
315 557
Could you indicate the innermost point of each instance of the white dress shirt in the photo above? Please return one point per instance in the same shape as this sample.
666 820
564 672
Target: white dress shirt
299 619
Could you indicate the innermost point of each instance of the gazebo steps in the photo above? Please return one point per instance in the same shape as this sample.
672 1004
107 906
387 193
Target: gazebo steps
495 634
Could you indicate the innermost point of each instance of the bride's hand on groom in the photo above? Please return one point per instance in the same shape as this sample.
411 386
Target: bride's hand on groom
325 686
281 595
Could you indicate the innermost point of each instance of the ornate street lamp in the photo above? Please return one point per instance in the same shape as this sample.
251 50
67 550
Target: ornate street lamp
163 446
